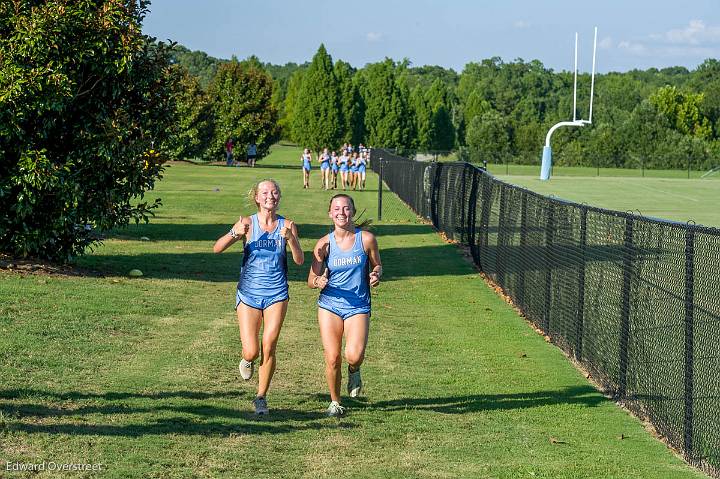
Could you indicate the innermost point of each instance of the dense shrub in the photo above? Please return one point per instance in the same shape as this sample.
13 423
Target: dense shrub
84 97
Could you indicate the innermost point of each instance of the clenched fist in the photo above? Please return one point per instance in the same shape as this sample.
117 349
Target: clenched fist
375 275
321 281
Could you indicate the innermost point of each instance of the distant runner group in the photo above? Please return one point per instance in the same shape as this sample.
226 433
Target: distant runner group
350 166
346 263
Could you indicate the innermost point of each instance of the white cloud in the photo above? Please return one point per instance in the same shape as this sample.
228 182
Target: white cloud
632 47
521 24
695 33
374 37
606 43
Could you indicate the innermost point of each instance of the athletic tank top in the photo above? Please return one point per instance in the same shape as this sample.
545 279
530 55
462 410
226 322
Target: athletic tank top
324 160
306 161
264 263
348 274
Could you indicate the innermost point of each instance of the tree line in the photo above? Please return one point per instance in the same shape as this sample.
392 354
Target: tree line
495 110
91 108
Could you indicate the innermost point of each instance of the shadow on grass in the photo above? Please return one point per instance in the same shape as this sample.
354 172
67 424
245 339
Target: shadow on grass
425 261
579 395
172 414
211 232
431 260
417 261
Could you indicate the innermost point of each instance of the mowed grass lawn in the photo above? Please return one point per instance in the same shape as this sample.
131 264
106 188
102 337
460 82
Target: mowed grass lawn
678 199
140 375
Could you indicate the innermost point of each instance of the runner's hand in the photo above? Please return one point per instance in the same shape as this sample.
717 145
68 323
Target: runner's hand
322 281
286 231
240 228
374 278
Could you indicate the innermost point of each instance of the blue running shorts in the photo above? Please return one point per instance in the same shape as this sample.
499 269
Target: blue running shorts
258 302
344 312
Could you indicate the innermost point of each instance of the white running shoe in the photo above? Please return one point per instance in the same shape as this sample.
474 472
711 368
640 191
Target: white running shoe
260 406
246 369
354 385
335 409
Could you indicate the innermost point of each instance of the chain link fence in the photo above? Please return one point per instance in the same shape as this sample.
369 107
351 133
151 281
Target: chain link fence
634 300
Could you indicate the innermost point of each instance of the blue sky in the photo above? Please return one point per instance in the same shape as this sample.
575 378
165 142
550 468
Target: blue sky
450 33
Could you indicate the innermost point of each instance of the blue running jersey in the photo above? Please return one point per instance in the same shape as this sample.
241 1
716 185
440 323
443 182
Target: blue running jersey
348 284
264 264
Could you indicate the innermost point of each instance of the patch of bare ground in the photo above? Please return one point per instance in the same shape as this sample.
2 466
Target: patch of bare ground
34 266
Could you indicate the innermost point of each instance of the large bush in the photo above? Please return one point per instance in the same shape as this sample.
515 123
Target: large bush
84 95
241 95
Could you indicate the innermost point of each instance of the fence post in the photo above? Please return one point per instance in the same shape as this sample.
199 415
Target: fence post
549 228
472 228
488 184
580 318
523 243
689 340
625 311
500 248
380 183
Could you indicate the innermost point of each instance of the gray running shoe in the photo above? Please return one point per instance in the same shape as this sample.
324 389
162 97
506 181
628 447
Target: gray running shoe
335 409
246 369
260 406
354 385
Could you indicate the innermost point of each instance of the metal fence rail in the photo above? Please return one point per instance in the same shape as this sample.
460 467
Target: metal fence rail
635 300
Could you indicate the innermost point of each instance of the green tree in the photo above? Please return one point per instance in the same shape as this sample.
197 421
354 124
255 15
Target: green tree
488 138
194 129
84 96
351 105
683 111
287 117
199 64
388 120
421 114
441 132
241 95
475 106
316 115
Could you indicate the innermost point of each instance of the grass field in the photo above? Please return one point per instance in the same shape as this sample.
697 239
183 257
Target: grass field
534 171
675 199
140 375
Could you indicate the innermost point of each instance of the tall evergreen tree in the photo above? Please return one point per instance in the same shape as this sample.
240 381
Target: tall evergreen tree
421 114
441 132
351 107
316 116
288 114
388 117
